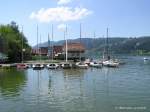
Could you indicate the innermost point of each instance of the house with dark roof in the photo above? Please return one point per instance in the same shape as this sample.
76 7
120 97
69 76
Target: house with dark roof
44 51
75 51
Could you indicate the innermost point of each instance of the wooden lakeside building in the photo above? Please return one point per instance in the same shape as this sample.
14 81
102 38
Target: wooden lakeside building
76 51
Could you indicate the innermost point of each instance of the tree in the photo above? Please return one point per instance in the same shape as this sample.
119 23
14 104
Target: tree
12 42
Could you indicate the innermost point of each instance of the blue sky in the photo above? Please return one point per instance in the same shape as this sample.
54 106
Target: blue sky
125 18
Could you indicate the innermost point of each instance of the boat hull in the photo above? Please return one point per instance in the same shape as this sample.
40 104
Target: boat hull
96 65
22 66
66 66
52 66
110 64
38 67
82 65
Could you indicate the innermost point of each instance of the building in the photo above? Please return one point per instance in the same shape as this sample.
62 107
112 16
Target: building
35 51
57 50
44 51
75 51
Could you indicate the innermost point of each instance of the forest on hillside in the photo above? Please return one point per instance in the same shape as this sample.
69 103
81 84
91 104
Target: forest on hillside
116 45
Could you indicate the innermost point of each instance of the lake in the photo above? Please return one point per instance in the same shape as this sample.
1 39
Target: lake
123 89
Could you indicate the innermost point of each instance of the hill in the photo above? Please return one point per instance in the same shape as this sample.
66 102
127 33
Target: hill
117 45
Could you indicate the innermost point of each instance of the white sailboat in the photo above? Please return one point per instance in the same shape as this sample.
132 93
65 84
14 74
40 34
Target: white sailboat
66 64
108 61
38 66
51 65
81 64
22 65
96 64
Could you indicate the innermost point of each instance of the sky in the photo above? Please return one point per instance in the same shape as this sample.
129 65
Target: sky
124 18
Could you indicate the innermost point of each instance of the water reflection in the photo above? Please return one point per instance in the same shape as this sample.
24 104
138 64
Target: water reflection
11 82
76 90
74 73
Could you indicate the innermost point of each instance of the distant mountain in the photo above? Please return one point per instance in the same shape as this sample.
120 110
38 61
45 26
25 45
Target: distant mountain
116 44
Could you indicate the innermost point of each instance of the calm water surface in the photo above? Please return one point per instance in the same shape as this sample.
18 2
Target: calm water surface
123 89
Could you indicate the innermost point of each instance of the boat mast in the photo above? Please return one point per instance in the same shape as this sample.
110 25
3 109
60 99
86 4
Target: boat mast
22 50
104 48
80 40
65 36
107 46
48 46
94 35
40 48
52 43
37 41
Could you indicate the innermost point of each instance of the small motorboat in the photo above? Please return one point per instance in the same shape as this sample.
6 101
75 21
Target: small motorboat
110 63
96 65
22 66
52 66
82 65
37 66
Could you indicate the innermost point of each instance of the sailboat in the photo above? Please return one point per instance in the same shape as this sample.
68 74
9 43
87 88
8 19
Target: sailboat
108 61
66 64
81 64
38 66
95 64
22 65
51 65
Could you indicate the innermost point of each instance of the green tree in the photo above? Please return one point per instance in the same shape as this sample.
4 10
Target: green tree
12 42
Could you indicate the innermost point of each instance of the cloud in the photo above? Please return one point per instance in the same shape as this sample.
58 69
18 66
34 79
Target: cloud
60 14
61 27
63 2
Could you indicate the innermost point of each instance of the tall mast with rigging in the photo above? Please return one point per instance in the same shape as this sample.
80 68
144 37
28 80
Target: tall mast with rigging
52 43
37 40
22 49
40 49
49 47
66 42
80 39
107 46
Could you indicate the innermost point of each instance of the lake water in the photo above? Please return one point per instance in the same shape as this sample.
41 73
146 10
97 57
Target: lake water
123 89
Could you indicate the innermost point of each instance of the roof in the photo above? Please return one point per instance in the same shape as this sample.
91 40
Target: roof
74 47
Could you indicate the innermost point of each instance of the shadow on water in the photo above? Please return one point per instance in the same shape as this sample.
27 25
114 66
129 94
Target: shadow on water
11 82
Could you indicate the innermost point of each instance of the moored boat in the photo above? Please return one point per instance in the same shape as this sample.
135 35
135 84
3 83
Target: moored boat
107 60
22 66
66 65
96 65
145 58
110 63
87 61
5 66
82 65
52 66
37 66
